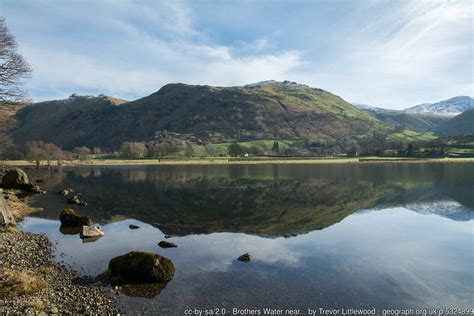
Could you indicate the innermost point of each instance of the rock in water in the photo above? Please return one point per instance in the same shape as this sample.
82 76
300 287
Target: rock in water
246 257
76 200
131 226
142 267
69 218
15 179
91 231
166 244
66 191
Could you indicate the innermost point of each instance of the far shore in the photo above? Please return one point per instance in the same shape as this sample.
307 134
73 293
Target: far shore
239 161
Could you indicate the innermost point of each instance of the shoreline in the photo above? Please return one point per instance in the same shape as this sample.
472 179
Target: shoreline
238 161
32 282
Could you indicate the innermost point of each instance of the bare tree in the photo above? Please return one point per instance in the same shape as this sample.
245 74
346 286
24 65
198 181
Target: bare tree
53 152
13 68
133 150
35 151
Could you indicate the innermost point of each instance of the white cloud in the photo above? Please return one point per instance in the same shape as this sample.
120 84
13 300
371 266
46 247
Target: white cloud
386 54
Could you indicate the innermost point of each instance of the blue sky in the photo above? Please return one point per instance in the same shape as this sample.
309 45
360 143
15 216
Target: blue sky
392 54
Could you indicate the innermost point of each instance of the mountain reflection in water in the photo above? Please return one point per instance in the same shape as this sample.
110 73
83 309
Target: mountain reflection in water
360 235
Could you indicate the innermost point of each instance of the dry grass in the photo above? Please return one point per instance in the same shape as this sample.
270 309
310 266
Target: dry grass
16 283
47 269
19 208
9 229
36 304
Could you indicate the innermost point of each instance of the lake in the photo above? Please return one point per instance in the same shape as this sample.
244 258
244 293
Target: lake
384 236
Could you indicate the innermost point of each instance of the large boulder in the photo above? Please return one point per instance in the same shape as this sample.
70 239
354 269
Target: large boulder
15 179
69 218
141 267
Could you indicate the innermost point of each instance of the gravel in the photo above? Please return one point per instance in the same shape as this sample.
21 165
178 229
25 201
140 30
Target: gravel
67 292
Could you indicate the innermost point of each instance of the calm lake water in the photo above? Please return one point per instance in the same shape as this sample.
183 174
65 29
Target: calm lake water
331 236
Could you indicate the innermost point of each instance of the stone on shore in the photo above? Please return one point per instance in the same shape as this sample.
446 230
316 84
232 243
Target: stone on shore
17 179
91 232
167 244
69 218
141 267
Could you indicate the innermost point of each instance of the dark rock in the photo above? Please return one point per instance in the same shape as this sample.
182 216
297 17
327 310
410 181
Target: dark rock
140 267
131 226
39 181
15 179
166 244
246 257
69 218
76 200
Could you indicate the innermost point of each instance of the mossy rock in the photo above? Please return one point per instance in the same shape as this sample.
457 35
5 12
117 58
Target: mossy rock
142 267
69 218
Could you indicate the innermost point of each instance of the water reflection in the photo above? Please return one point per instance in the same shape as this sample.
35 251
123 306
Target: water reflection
390 236
268 201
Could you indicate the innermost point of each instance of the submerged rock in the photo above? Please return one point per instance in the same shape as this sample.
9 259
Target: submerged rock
246 257
66 191
140 267
91 231
76 200
69 218
166 244
131 226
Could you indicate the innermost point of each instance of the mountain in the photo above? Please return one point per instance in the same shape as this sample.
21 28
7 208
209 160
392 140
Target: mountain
418 122
262 111
462 124
450 107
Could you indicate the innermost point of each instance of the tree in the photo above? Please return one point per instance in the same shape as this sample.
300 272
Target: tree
236 149
411 150
35 151
160 150
13 68
133 150
81 152
52 152
276 147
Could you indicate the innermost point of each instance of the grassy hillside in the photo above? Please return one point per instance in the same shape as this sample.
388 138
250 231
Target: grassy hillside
417 122
277 111
72 122
462 124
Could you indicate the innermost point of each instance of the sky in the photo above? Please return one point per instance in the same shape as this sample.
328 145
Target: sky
392 54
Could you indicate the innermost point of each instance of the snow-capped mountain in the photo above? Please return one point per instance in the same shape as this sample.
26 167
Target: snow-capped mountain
450 107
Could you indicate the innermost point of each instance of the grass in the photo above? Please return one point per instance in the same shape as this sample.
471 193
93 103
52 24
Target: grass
244 161
16 283
9 229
